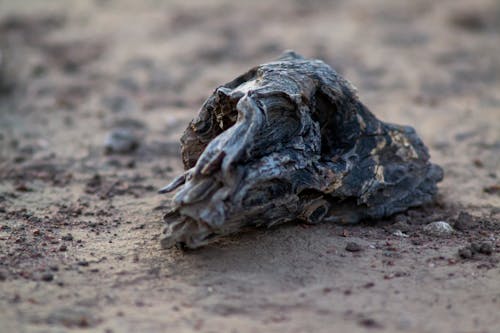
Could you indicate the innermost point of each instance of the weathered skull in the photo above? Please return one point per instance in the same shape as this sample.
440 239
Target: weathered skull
290 140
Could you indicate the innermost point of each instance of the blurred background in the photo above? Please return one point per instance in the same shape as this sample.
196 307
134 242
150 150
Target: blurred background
94 96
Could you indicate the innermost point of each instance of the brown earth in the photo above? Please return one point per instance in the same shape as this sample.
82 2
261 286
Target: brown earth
79 228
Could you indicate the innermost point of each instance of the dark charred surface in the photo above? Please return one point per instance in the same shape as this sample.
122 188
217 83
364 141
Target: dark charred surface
291 140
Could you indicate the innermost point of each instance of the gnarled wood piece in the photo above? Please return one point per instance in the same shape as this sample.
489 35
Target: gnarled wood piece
290 140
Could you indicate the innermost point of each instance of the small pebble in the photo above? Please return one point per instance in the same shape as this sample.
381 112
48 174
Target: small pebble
403 226
67 237
475 247
464 222
22 188
370 323
439 229
47 276
399 233
465 253
486 248
121 141
353 247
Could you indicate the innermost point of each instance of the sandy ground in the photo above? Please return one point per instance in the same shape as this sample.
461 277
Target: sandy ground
79 229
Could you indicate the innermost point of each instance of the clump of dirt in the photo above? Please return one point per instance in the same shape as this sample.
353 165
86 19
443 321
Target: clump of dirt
474 248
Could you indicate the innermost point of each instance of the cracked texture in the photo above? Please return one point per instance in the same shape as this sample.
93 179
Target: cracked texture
290 140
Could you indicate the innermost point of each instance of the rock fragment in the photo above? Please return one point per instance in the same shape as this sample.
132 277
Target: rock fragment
121 141
47 277
353 247
438 229
464 222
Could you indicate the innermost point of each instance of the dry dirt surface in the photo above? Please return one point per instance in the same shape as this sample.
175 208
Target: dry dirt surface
80 223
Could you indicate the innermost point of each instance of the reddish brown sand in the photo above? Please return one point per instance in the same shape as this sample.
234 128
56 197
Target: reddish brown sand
79 229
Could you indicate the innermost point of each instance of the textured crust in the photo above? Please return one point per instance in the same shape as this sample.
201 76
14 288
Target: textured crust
290 140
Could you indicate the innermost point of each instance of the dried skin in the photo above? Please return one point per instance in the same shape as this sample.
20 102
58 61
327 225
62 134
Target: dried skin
290 140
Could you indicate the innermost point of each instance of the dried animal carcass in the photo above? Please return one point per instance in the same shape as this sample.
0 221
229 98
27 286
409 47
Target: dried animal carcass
290 140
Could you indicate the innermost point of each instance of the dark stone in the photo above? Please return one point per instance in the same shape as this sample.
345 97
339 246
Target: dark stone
465 253
67 237
121 141
403 226
47 277
353 247
486 248
475 247
370 323
83 263
464 222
